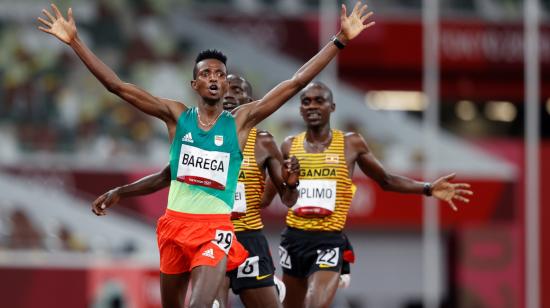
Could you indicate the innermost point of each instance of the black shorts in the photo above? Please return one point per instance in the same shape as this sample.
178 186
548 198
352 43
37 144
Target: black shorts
349 256
258 270
304 252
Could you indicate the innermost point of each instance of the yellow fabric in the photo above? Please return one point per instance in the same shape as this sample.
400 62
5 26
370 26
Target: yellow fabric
328 165
252 177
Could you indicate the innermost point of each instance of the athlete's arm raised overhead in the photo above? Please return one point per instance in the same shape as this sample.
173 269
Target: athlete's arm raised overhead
251 114
65 30
282 173
358 151
144 186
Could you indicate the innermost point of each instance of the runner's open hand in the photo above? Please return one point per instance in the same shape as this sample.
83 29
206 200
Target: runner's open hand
105 201
444 190
354 24
58 26
291 171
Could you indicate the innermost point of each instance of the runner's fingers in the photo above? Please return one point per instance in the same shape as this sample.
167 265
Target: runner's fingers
463 192
370 24
44 29
460 198
45 22
462 185
449 177
106 202
70 14
356 8
343 11
56 11
363 10
287 165
45 12
452 205
96 211
365 17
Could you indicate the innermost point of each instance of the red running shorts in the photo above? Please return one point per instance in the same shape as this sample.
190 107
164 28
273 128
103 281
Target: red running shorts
186 241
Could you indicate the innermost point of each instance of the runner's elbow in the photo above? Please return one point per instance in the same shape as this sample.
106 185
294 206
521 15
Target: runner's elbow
385 183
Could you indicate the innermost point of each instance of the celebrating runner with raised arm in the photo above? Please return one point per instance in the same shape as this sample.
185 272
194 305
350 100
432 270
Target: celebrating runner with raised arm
254 280
205 155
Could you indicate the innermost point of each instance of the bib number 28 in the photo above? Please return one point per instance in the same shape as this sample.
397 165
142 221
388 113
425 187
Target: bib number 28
224 239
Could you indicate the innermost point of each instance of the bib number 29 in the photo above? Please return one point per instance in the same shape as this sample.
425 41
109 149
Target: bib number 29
224 239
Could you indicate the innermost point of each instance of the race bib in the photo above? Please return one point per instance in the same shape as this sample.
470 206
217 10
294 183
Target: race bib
284 258
203 168
223 239
328 257
239 207
249 268
316 198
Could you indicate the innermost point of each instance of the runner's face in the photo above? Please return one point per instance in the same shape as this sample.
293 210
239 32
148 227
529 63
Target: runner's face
315 107
211 82
236 93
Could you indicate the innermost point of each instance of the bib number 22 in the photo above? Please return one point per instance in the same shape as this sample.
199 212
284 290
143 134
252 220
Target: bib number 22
328 257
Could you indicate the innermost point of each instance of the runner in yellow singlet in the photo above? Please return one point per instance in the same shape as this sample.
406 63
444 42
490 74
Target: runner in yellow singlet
312 245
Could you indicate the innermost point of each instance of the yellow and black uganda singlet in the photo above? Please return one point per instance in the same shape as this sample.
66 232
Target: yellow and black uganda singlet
325 186
250 188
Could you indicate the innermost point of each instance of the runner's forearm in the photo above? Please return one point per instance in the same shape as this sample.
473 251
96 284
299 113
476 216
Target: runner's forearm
100 70
289 196
402 184
146 185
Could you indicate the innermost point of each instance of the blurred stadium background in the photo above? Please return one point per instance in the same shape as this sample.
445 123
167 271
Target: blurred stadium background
64 140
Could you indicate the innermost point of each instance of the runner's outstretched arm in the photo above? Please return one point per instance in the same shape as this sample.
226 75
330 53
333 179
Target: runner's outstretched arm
144 186
250 115
441 188
65 30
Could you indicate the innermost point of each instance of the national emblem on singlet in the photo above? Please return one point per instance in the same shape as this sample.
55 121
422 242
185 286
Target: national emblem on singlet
325 190
250 188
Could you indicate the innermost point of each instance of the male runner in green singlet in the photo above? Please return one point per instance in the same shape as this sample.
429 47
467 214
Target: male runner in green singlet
205 155
254 280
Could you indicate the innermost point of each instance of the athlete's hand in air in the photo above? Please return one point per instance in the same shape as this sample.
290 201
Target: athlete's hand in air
444 190
58 26
291 171
354 24
105 201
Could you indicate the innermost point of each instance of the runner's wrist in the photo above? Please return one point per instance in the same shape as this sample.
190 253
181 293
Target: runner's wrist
119 192
341 38
427 189
286 185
